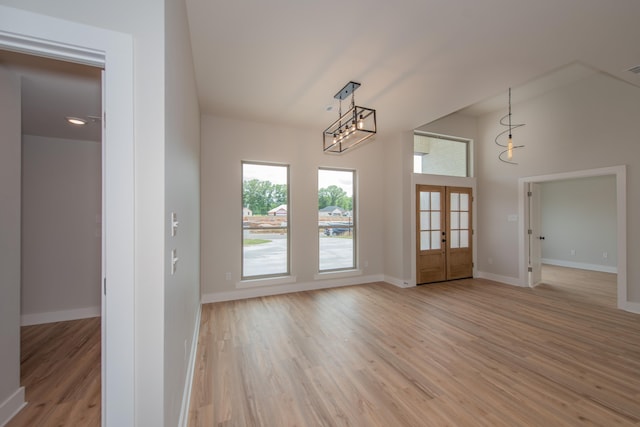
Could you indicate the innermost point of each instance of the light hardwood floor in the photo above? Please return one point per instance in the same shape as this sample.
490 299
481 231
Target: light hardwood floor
464 353
573 284
60 370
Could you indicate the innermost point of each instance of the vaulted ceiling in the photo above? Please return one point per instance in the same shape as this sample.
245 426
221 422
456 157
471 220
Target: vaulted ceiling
282 61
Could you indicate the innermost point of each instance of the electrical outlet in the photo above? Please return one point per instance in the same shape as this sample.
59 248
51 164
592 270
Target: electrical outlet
605 255
227 275
572 252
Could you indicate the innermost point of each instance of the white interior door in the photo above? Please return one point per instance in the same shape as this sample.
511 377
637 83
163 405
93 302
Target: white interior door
535 235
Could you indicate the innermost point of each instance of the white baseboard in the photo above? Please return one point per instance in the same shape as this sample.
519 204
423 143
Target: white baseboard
264 291
399 282
60 316
188 383
513 281
632 307
580 265
11 406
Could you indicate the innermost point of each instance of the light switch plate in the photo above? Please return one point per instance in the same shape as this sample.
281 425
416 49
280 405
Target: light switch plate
174 224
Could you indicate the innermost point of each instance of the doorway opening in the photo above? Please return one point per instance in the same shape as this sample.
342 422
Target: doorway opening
531 265
40 35
60 230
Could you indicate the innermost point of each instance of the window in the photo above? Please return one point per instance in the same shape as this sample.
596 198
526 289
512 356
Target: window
265 220
336 220
440 155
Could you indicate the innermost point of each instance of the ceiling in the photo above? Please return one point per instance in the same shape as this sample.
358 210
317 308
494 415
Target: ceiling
282 61
53 90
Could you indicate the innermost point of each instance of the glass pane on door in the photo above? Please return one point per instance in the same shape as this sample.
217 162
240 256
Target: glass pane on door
425 198
425 240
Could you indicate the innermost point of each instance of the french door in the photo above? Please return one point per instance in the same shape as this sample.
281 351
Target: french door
443 233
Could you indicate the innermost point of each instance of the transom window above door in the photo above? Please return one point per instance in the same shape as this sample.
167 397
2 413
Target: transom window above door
438 155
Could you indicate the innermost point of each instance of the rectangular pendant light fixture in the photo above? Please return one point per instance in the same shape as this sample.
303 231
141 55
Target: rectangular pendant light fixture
352 128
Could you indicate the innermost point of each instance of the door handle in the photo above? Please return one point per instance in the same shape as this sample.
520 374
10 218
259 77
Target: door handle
541 237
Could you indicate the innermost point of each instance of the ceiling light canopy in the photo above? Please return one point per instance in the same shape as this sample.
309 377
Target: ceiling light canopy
353 127
76 121
509 147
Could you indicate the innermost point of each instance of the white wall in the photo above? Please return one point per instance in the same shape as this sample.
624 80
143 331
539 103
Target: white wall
225 143
11 394
61 225
398 168
182 196
580 215
145 20
590 124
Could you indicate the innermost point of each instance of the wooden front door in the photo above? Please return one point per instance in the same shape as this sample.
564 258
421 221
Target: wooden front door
444 233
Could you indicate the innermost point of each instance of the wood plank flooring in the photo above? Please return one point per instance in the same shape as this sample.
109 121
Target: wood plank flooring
589 286
464 353
60 370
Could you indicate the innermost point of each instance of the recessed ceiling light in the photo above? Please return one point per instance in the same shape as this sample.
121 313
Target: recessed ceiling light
76 121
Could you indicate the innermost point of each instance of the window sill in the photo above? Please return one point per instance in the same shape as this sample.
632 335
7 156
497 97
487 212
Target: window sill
337 274
256 283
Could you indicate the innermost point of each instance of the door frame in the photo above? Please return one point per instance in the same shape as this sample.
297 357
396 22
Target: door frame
446 181
620 172
41 35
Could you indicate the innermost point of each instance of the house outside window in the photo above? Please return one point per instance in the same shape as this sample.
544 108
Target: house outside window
265 220
336 220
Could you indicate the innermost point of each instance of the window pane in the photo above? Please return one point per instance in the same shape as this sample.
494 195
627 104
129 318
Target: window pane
424 221
425 197
455 201
417 163
454 239
265 219
264 252
336 251
435 240
464 202
435 220
464 239
336 220
455 220
425 240
435 201
464 220
440 156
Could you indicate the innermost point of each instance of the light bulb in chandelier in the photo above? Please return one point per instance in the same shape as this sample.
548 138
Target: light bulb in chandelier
510 148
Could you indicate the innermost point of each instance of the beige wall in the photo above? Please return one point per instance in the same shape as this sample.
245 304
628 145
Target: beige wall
9 244
590 124
226 142
580 214
61 226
